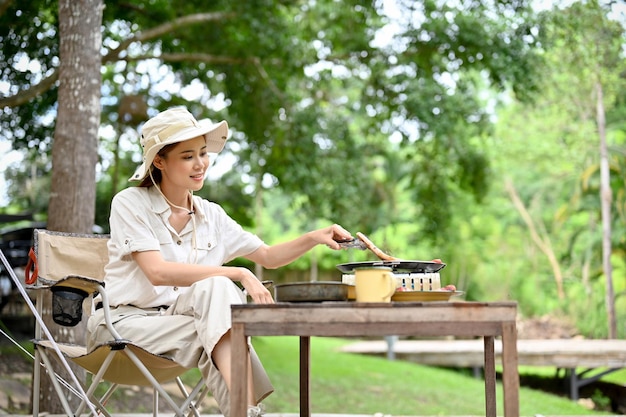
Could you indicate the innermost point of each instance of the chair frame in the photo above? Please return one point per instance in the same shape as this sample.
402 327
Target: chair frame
118 353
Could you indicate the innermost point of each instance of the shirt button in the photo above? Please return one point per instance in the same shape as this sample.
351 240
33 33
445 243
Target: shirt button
209 245
175 288
180 242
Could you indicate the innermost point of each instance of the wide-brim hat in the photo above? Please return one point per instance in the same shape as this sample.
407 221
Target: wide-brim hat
172 126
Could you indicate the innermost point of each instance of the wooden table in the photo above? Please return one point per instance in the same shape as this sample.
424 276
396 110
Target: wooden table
343 319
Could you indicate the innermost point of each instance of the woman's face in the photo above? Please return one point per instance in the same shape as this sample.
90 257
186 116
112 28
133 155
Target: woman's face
184 164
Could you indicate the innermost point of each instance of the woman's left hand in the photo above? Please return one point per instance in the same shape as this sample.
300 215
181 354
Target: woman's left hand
254 288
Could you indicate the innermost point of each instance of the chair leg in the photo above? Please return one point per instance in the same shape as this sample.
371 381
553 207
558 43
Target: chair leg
107 395
189 399
193 407
36 383
37 364
94 384
144 370
98 403
56 385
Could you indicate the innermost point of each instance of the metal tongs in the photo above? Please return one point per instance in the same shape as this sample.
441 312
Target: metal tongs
355 243
362 242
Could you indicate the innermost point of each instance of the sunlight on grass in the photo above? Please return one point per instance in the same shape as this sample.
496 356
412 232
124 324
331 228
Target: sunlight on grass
358 384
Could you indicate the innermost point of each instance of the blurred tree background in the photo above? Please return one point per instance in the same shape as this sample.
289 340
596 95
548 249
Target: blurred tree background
464 132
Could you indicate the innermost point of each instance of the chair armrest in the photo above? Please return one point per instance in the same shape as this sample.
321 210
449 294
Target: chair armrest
79 282
107 313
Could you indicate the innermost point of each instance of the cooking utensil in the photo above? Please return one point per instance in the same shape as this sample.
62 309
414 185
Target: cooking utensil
311 291
352 244
396 266
370 245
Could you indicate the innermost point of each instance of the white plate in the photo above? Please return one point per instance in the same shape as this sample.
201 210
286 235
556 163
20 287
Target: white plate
424 295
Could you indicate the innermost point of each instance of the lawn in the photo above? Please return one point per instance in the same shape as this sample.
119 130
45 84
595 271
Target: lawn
358 384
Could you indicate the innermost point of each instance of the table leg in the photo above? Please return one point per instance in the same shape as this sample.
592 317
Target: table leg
490 377
305 368
239 372
510 375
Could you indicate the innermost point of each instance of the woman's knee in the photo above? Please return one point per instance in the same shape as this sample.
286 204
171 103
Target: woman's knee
219 286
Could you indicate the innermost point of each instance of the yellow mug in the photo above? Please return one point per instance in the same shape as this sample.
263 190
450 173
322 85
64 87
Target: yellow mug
374 284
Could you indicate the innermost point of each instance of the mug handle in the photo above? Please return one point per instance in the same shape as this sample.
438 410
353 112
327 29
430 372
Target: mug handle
392 284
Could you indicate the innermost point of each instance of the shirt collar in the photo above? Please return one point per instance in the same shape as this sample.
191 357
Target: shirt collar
160 206
157 202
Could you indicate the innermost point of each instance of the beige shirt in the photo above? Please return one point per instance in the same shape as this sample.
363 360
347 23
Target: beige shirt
139 222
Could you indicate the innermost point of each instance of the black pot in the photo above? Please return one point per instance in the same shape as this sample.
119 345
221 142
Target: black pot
311 291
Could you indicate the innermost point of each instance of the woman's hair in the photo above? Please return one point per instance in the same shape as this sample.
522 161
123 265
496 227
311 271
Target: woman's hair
156 175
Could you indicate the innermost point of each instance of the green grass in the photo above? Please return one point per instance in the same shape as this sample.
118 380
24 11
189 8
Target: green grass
617 377
358 384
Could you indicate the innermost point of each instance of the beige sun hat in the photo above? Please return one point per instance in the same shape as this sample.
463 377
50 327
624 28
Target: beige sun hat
172 126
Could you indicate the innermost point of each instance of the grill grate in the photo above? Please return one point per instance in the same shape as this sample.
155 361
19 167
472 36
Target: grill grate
414 281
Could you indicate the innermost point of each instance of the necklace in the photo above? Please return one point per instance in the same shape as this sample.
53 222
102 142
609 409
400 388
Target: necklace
191 212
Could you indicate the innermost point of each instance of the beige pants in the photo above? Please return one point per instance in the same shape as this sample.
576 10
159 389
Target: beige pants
187 332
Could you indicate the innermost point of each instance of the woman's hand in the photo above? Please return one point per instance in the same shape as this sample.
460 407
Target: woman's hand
255 288
330 235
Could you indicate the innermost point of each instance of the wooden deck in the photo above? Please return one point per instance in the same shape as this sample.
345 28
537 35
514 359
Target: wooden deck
286 415
600 356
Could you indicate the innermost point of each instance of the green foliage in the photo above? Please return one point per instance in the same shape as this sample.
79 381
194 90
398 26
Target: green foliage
589 309
29 126
312 105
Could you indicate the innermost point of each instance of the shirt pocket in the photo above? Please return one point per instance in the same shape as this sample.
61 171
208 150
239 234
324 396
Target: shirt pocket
163 236
206 242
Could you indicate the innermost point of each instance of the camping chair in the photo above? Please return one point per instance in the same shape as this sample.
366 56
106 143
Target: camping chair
72 267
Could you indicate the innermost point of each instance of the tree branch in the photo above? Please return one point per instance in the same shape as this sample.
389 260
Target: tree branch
543 243
212 59
193 57
168 27
25 96
116 55
268 80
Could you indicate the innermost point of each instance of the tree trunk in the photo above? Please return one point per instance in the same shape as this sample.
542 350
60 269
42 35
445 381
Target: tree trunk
258 209
606 201
75 149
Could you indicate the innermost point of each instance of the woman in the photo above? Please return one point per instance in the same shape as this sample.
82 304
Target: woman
167 286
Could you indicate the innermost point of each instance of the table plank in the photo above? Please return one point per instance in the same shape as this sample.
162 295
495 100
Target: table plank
340 329
311 313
